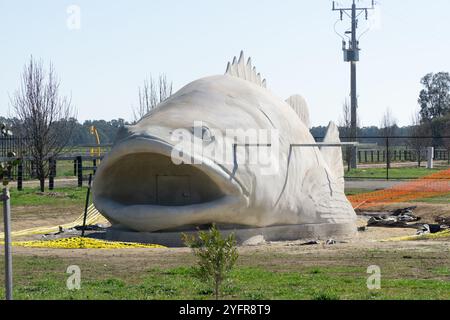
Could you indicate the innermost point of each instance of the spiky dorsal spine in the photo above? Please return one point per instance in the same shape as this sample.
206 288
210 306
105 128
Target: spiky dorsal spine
245 71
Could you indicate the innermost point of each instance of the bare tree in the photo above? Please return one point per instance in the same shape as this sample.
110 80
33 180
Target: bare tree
388 128
419 136
388 123
345 123
151 94
44 114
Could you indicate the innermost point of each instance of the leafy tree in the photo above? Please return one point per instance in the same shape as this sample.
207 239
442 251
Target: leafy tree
446 131
216 255
434 99
440 127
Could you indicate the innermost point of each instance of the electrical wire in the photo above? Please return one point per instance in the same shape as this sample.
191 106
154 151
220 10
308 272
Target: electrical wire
335 31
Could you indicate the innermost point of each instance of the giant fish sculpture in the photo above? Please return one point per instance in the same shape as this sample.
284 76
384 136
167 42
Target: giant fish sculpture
146 184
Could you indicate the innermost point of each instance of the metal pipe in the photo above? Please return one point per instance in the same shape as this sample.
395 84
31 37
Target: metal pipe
8 250
87 204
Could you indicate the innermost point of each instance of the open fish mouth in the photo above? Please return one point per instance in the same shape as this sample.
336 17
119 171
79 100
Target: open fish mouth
139 187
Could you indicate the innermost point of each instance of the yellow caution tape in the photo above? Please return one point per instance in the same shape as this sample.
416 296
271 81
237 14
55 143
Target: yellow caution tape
430 236
92 217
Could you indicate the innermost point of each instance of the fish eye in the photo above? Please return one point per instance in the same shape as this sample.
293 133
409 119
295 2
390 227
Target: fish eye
206 134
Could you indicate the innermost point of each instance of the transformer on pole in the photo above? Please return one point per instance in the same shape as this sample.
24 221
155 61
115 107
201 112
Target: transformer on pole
351 55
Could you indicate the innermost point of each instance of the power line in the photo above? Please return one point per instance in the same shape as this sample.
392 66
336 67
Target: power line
351 55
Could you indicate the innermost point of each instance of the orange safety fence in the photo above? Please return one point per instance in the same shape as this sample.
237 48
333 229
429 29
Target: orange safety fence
433 185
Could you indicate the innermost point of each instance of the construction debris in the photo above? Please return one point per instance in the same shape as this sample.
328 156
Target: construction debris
74 230
310 243
408 210
432 228
393 222
405 218
442 221
400 218
93 227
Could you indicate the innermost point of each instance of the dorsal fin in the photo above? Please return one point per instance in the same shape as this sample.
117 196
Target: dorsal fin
245 71
298 103
333 155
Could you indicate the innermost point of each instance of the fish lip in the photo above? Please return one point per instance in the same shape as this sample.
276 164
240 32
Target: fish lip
150 217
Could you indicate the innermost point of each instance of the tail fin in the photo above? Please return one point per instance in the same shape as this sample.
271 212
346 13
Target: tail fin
333 155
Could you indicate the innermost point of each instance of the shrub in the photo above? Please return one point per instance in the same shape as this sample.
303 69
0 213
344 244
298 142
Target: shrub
216 255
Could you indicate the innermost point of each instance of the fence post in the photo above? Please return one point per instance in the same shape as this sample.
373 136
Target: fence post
7 236
75 164
430 157
80 171
20 175
388 160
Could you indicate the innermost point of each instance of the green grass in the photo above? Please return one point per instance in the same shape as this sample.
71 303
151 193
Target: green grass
45 278
64 168
444 271
441 199
56 197
438 199
394 173
355 191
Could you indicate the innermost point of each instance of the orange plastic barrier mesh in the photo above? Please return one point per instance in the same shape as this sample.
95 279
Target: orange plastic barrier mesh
433 185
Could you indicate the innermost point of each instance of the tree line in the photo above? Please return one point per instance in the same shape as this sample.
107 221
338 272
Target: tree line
80 136
107 131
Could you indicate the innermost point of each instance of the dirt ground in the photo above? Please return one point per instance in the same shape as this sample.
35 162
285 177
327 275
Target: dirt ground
420 264
367 241
25 217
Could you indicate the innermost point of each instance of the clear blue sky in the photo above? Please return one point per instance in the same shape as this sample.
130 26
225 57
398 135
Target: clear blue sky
292 44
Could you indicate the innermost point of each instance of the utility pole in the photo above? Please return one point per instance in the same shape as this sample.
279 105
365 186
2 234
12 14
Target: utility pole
351 54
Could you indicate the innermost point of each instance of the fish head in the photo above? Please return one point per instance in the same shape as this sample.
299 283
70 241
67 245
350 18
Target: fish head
176 167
